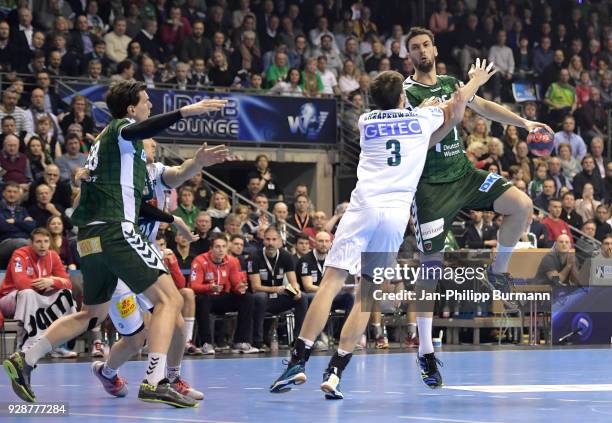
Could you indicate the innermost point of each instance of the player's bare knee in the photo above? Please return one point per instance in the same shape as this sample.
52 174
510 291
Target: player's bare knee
188 295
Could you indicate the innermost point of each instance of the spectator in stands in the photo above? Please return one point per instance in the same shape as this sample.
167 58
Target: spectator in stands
60 190
221 287
201 191
520 184
469 44
477 235
569 164
267 272
280 212
607 184
555 173
587 205
186 210
589 174
351 52
8 52
575 68
583 88
597 148
195 46
268 184
148 72
134 52
291 86
252 188
586 245
502 56
117 41
22 33
605 88
301 218
149 40
182 249
14 164
94 74
349 78
550 74
537 183
319 31
320 223
9 108
328 78
175 29
181 77
302 247
69 61
219 208
15 222
593 116
53 103
219 72
311 80
523 57
601 222
72 159
133 20
299 53
125 71
79 113
247 227
44 209
558 268
560 97
278 71
60 243
553 222
542 56
202 228
98 53
269 38
199 77
606 247
37 157
232 225
373 59
570 213
35 270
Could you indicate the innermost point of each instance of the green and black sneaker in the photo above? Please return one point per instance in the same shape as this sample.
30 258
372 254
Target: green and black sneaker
19 373
164 393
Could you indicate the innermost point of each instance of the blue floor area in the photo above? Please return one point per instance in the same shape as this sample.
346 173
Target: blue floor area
502 386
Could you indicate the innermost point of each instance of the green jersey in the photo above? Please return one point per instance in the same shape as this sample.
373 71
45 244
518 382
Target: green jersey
117 170
446 162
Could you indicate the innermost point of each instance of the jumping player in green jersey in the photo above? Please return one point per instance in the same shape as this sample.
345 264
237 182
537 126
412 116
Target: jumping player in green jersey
111 245
450 183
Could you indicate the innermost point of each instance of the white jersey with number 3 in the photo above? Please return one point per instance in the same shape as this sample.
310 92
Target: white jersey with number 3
394 146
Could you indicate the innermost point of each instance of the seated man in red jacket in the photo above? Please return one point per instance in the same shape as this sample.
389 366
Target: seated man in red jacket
188 310
221 287
37 280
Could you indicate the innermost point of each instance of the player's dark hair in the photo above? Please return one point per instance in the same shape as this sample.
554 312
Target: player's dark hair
123 94
386 90
416 31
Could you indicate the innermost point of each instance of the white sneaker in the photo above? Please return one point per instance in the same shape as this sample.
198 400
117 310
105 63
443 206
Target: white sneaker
97 349
61 352
208 349
244 348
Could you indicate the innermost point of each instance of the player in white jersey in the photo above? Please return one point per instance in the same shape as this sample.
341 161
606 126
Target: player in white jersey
394 143
128 311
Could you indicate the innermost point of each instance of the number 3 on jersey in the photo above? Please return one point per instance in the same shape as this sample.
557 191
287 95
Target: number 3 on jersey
395 158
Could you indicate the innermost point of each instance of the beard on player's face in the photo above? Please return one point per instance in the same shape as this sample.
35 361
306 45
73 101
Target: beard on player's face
424 66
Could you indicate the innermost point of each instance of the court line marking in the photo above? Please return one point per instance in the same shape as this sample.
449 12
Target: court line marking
394 392
506 389
439 419
115 416
254 389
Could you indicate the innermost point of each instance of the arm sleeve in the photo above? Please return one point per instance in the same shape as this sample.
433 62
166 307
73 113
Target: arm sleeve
175 272
197 278
150 127
152 212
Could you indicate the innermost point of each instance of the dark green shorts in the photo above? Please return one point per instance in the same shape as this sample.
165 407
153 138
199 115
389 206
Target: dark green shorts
113 251
435 205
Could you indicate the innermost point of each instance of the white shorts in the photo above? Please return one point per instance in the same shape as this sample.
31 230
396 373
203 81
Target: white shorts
127 310
371 230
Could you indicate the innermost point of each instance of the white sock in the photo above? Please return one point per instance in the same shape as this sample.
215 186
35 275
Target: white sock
307 342
425 342
156 368
378 332
502 258
107 372
38 351
343 353
189 322
173 373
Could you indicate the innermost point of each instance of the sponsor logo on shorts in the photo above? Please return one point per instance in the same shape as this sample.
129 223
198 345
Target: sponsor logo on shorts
432 229
89 246
428 245
488 183
126 306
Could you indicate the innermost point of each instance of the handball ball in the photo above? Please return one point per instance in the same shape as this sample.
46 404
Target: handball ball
540 142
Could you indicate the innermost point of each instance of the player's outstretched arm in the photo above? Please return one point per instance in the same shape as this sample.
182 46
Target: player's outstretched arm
204 157
154 125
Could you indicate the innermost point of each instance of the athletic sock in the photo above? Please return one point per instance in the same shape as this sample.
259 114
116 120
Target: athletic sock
107 372
173 373
340 360
156 368
301 350
425 342
189 322
502 259
38 351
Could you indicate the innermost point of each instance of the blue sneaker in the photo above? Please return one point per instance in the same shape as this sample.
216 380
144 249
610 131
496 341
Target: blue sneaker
294 375
331 384
428 364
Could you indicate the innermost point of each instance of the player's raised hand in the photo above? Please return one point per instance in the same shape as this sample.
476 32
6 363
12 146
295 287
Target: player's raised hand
210 156
184 230
481 72
531 125
203 106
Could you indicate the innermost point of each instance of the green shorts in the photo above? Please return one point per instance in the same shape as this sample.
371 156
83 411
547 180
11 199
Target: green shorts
435 205
114 251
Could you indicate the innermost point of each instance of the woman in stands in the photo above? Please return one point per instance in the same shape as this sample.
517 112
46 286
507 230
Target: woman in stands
79 113
60 243
37 157
218 210
349 78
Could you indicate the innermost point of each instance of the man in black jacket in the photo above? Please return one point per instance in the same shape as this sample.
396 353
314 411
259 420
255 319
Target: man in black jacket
478 235
589 174
195 46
